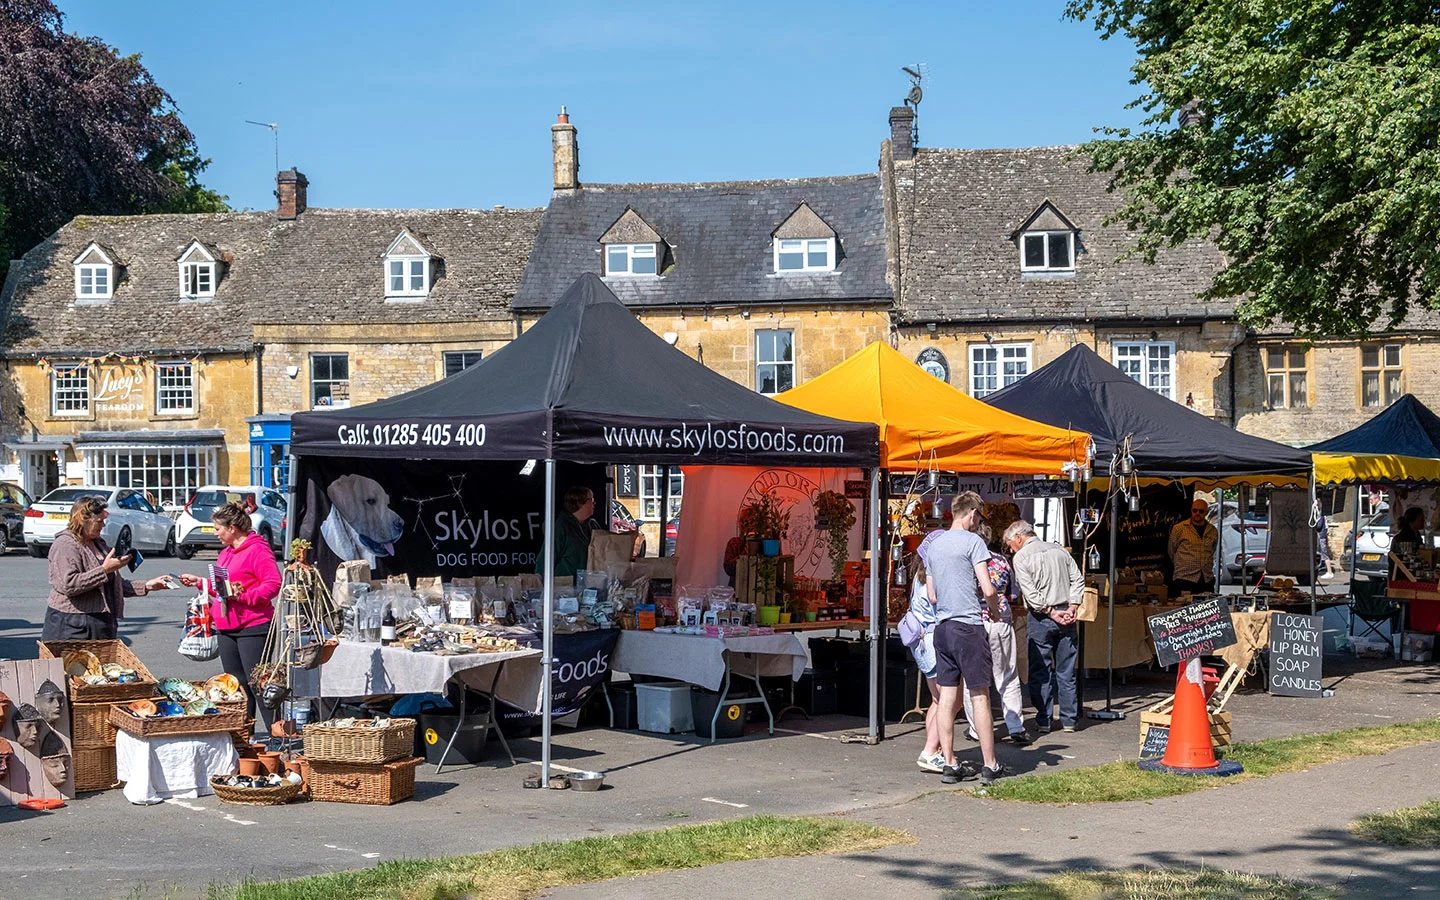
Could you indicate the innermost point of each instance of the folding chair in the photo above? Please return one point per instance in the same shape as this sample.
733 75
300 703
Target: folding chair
1369 604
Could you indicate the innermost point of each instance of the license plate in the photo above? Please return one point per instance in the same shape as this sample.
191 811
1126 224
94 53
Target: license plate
1370 557
63 517
206 529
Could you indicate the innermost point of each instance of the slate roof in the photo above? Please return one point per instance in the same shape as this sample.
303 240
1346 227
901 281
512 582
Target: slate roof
719 238
958 263
322 268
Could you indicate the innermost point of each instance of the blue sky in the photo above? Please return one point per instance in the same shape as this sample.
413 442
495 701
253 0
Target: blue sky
440 105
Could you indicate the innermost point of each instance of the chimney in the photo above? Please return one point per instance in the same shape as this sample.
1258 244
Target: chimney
902 132
290 188
566 153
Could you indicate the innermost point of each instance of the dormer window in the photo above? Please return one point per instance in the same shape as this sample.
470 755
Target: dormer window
198 272
94 275
1047 241
632 247
407 268
803 243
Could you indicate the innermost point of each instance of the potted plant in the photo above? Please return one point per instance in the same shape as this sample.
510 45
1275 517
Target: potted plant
836 513
765 519
796 606
767 590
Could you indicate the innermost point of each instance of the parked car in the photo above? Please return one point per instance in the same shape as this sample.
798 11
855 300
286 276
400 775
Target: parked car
13 502
672 534
267 515
1374 547
1257 542
148 529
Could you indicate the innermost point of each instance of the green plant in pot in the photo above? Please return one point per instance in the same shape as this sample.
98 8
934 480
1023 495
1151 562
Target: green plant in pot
835 516
764 519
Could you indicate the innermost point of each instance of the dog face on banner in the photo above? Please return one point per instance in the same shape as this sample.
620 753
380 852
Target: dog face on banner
361 524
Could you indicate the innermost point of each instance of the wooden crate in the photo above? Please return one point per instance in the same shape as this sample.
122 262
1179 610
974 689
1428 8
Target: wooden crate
751 588
1219 726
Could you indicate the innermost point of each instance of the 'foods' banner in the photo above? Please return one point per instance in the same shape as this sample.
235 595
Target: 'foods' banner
451 519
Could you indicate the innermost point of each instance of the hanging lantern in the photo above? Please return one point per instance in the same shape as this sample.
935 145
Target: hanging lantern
1127 464
1094 559
1077 528
1134 501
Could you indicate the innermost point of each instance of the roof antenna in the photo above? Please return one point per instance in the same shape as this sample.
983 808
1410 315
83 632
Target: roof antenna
275 130
918 73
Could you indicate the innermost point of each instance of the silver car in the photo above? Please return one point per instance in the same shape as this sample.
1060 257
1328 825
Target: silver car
1374 547
131 515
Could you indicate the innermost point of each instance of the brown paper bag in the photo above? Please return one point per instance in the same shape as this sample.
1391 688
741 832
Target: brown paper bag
607 549
1089 606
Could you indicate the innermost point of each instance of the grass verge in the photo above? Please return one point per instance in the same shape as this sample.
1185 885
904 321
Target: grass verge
1414 826
1152 885
521 872
1119 781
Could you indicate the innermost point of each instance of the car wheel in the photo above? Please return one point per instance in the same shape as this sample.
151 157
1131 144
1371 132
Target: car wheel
39 551
124 537
170 548
185 551
1226 576
268 535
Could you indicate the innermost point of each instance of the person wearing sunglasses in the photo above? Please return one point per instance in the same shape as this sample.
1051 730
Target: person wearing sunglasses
1192 551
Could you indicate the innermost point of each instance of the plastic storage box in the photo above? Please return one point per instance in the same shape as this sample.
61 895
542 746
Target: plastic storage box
436 728
729 724
664 707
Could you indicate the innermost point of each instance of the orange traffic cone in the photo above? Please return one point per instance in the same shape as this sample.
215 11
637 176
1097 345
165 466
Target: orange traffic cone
1189 746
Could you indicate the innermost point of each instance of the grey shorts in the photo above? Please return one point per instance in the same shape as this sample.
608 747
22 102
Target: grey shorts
962 651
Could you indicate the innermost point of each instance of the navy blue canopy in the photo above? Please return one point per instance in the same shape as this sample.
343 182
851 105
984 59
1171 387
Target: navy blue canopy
1407 428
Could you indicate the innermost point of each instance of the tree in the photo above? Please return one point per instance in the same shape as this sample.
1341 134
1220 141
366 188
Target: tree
83 130
1309 151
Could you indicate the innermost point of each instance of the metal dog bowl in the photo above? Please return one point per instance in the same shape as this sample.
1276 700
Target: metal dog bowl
586 781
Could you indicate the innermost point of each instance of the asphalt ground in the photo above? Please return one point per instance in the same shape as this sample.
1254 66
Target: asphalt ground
101 846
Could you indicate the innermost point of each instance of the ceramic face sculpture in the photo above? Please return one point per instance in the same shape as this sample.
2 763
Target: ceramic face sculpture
5 752
50 700
4 709
57 769
51 744
27 727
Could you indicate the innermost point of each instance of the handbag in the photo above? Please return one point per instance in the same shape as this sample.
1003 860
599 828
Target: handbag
198 640
911 628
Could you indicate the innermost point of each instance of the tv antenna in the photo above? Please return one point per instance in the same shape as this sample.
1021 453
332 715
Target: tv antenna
918 73
274 130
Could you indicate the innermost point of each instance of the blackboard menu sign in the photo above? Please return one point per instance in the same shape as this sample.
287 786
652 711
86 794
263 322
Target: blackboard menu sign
1192 631
1157 738
1295 654
1144 536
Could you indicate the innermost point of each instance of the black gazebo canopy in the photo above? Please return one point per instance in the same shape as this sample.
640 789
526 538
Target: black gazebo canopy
1407 428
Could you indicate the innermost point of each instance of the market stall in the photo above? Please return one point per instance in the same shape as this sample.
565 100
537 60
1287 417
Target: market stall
586 384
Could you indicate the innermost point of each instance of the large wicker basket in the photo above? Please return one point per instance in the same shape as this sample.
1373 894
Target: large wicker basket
106 652
344 782
94 768
90 725
266 796
157 726
360 744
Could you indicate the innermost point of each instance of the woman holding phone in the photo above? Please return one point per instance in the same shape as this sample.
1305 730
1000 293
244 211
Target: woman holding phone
87 594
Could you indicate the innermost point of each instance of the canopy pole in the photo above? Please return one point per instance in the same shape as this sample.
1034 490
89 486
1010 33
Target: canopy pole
664 508
1355 536
292 521
547 628
879 587
1314 537
1107 712
1244 559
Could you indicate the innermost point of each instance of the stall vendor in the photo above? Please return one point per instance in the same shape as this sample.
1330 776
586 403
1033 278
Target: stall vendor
572 533
1407 540
1192 551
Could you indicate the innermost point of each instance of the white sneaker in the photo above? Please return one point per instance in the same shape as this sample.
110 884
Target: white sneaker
935 764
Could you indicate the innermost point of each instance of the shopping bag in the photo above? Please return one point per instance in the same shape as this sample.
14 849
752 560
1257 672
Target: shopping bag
1089 606
198 640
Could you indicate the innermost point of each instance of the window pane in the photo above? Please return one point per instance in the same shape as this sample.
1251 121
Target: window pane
1275 359
340 366
1034 251
1370 357
1277 391
764 346
397 267
642 265
785 377
1059 251
1392 387
1370 388
1392 355
765 379
784 346
818 255
1297 359
1299 390
617 260
102 278
790 260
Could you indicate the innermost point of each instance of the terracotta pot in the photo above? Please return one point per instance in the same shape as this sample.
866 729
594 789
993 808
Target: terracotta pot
251 767
301 766
271 762
251 751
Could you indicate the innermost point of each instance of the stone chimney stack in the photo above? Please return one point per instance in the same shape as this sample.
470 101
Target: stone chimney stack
566 153
902 132
290 188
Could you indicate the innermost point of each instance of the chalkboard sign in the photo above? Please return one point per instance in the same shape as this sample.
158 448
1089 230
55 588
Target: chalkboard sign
1040 488
1144 536
1192 631
1295 654
1157 738
627 481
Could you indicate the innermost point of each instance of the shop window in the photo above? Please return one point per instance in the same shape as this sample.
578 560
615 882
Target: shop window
774 361
1047 251
809 255
174 387
1149 362
329 380
652 479
457 361
1287 377
629 259
996 366
1382 375
70 390
171 474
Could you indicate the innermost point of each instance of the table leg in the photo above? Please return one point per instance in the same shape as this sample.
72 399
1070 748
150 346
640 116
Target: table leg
605 689
765 702
459 724
494 723
720 704
792 705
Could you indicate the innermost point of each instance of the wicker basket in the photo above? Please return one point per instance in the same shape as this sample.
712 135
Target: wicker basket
90 725
360 744
94 768
344 782
106 652
173 725
266 796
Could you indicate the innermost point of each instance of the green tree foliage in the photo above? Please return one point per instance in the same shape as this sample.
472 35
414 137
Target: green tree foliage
83 130
1312 160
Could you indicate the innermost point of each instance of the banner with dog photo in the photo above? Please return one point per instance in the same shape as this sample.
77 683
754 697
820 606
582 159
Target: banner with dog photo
424 518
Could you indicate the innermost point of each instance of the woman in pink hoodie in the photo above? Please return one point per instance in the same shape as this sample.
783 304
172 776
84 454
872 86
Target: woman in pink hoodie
243 618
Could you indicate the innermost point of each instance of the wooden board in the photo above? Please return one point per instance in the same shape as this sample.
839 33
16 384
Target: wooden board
19 678
1219 726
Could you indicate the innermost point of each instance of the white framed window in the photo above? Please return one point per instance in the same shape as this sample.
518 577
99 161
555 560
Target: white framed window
1382 374
197 279
1287 377
651 480
1047 251
630 259
457 361
174 388
1152 363
329 380
93 282
407 277
70 390
169 473
996 366
808 255
774 360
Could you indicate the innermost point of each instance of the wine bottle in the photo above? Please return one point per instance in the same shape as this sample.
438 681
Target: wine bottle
387 627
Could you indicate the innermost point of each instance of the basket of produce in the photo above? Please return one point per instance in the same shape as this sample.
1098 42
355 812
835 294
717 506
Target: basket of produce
146 718
100 670
346 782
372 741
258 790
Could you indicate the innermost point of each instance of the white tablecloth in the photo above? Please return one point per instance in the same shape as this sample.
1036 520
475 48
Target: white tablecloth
360 670
159 768
701 660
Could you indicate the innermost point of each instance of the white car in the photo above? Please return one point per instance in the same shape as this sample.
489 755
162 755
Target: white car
148 529
267 515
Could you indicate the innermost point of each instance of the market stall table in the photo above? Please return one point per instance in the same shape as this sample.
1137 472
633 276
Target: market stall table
172 766
1132 636
710 662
